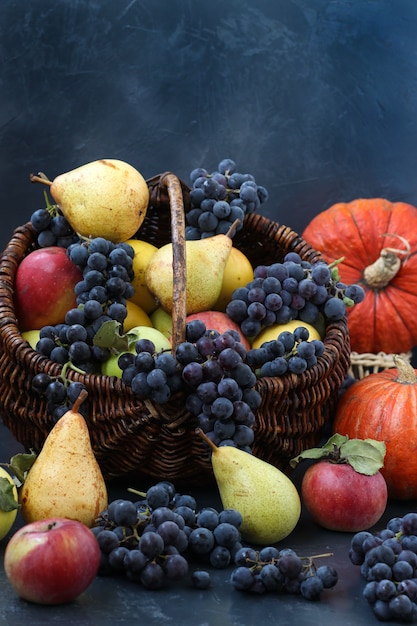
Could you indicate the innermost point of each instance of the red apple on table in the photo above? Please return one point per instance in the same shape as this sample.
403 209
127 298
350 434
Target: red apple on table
51 561
44 288
344 490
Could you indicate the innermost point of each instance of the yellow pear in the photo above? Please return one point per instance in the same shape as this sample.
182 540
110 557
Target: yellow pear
237 273
266 498
65 480
205 263
105 198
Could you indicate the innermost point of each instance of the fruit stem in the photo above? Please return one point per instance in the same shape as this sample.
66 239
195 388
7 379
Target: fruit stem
40 178
137 492
203 436
230 233
79 400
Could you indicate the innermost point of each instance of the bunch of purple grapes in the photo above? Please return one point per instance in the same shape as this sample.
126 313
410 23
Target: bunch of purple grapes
220 198
292 290
388 563
289 352
210 367
155 539
271 570
101 297
52 228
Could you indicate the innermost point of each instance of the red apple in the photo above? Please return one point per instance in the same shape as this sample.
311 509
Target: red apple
340 498
217 320
44 288
51 561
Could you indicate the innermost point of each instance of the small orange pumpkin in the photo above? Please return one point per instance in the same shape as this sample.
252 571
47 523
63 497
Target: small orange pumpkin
383 406
378 241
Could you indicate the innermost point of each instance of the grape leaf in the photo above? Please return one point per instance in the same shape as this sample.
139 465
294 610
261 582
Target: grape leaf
8 501
108 336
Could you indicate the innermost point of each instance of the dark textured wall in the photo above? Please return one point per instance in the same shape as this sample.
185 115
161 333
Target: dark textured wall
317 98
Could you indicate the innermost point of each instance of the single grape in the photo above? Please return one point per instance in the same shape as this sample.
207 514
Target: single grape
201 579
311 588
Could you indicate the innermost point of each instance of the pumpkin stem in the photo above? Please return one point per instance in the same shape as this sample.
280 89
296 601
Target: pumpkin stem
380 273
406 372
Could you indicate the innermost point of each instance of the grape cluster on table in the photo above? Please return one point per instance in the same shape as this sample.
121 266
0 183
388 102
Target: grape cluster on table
220 199
163 536
388 563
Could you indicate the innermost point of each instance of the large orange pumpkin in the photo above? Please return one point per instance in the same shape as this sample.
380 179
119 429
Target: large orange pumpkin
378 241
383 406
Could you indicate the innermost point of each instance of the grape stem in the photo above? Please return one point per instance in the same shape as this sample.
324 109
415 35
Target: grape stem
137 492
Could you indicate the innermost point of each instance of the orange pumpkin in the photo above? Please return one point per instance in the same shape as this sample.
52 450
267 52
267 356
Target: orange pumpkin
383 406
378 241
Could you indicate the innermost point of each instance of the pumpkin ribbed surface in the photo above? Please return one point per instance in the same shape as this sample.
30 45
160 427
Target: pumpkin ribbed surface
360 231
383 406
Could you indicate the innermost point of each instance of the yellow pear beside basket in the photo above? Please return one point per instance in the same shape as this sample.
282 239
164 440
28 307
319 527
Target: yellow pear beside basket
138 437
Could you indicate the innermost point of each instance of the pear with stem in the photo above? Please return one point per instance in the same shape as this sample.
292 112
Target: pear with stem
265 497
65 480
105 198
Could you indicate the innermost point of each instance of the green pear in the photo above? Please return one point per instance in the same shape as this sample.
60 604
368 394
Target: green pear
65 480
265 497
205 263
105 198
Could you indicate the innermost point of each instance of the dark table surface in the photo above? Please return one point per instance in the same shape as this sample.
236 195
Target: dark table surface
111 600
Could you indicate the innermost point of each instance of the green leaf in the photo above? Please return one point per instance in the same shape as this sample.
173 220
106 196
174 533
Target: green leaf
108 336
21 463
8 501
324 452
366 456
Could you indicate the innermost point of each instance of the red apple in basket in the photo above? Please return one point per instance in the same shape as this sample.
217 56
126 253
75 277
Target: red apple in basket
44 288
344 490
51 561
217 320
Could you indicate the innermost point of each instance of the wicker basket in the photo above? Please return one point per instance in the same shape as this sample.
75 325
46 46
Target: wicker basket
364 363
159 442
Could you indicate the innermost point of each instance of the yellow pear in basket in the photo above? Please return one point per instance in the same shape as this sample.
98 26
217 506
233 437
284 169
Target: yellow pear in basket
265 497
205 263
105 198
143 253
65 480
237 273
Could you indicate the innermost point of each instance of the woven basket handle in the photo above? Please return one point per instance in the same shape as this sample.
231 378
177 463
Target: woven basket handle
174 189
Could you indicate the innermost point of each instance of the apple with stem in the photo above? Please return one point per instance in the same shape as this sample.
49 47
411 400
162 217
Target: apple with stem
51 561
344 490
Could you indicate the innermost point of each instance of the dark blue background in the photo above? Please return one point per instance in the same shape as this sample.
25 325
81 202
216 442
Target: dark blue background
316 98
